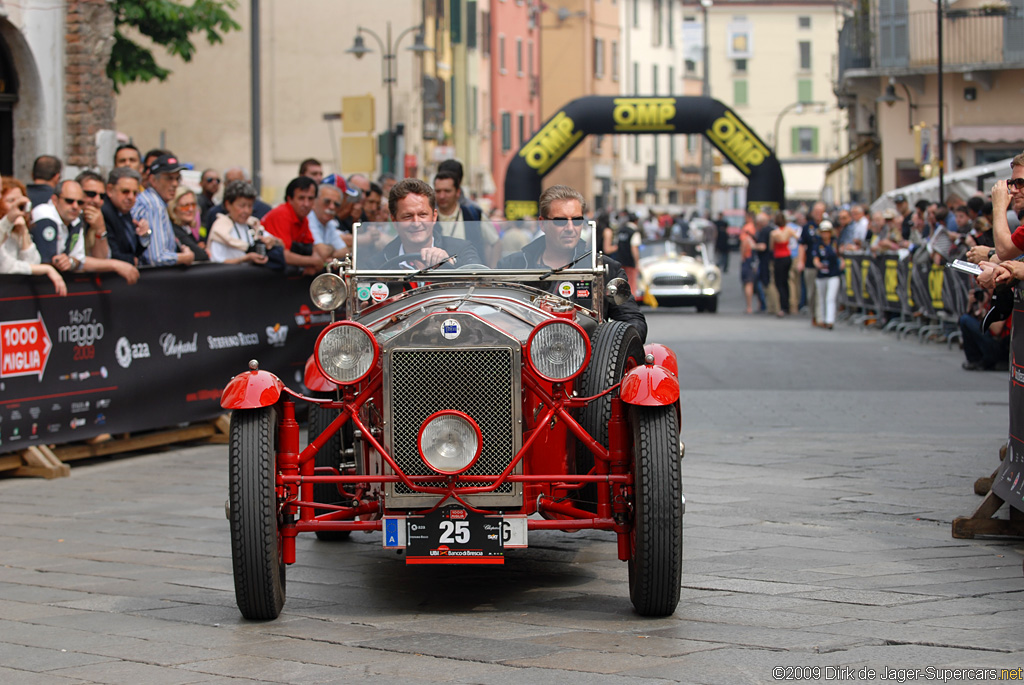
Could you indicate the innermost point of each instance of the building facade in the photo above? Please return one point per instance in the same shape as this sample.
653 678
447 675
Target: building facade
578 45
515 112
55 97
773 63
202 111
889 79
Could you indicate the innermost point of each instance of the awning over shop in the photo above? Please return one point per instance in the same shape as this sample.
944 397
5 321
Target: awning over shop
986 134
851 156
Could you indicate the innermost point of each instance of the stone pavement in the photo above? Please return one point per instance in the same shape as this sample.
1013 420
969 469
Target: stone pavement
822 472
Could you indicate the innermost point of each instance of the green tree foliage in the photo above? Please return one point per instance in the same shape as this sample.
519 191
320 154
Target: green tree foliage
167 23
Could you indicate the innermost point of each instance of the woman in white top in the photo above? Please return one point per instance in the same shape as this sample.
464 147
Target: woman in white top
233 235
18 253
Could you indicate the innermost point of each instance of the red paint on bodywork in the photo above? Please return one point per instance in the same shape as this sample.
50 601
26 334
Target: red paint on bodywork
314 379
251 390
663 356
649 386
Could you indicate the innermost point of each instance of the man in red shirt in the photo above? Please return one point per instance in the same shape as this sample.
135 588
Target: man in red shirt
1004 195
288 221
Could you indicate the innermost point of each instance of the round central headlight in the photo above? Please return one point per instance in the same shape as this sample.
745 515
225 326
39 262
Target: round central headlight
345 352
328 291
449 442
558 350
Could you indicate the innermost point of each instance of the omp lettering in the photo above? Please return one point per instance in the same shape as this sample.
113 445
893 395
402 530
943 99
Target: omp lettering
551 143
520 209
644 114
737 142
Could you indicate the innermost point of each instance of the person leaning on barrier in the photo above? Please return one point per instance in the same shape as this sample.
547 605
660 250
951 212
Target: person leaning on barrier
561 220
18 253
127 237
58 231
236 231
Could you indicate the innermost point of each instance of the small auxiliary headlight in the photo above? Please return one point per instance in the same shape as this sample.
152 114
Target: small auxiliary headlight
558 350
449 442
346 351
328 291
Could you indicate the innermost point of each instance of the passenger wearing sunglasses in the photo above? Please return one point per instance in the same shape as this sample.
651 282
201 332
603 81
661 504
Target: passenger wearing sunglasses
561 219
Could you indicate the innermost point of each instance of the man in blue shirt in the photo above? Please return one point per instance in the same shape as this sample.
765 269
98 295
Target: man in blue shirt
151 205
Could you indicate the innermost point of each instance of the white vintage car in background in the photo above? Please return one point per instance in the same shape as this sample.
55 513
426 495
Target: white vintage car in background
679 274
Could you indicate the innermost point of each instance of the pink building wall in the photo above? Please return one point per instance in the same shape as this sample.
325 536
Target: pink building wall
515 91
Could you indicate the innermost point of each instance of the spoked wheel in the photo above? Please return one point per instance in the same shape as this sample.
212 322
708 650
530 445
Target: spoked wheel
255 521
615 348
329 455
656 539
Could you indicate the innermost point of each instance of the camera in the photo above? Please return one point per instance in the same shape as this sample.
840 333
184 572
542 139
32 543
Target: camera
259 247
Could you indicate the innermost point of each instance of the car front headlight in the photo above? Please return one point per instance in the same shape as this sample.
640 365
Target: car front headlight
711 276
449 442
558 350
328 291
346 351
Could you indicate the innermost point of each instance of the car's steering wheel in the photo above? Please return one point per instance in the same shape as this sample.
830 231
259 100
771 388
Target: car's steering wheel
472 267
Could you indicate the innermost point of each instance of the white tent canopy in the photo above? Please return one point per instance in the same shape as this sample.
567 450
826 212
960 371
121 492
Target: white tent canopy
963 183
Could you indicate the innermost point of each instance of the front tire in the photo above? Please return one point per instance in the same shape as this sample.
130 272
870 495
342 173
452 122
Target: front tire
712 304
615 348
258 566
656 538
329 455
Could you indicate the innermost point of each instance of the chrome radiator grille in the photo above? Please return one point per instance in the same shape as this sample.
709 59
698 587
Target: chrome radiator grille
673 279
477 381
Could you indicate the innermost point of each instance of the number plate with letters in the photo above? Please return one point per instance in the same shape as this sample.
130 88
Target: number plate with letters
454 535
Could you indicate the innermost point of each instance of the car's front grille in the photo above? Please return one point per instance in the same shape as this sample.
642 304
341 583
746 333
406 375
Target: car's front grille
674 279
475 381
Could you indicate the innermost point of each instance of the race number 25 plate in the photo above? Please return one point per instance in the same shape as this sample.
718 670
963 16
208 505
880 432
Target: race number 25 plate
454 535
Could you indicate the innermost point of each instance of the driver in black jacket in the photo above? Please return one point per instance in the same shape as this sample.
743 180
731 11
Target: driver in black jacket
413 208
561 214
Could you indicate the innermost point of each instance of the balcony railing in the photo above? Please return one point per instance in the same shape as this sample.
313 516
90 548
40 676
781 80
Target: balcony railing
971 38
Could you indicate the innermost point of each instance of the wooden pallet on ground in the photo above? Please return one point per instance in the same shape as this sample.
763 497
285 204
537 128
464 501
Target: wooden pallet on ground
49 462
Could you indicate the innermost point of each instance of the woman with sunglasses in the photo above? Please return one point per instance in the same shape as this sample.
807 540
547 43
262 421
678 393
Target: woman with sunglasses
182 210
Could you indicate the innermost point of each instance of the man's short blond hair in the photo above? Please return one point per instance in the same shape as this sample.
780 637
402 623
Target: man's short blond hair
555 193
1017 161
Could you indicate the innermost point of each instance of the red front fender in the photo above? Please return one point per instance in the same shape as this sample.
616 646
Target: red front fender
251 390
316 381
663 356
649 386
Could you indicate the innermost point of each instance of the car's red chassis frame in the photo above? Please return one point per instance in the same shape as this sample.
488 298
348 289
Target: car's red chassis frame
653 383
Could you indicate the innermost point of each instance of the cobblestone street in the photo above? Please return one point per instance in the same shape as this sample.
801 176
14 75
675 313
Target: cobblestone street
822 472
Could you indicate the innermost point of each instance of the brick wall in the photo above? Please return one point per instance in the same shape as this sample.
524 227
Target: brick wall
89 94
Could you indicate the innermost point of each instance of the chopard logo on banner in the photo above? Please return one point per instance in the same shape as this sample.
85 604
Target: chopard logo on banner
644 114
737 142
551 143
173 347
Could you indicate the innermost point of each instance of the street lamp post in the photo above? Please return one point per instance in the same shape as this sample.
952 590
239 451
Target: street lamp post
389 72
798 106
705 146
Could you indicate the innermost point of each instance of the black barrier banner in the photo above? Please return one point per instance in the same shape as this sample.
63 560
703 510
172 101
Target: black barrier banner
114 358
1009 483
598 115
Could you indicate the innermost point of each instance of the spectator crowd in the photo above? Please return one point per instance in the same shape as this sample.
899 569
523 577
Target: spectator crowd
140 215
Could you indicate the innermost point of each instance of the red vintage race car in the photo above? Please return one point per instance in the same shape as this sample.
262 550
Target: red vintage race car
460 412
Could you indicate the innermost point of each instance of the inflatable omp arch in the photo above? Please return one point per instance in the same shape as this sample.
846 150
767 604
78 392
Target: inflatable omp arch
597 114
